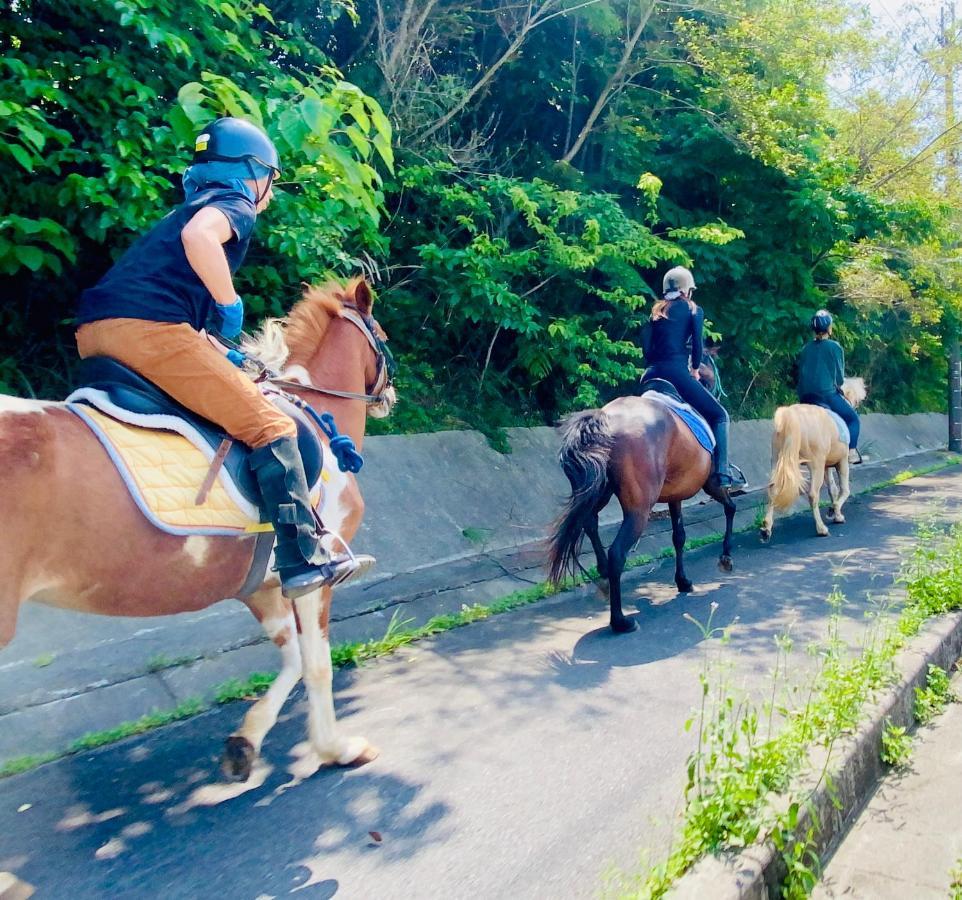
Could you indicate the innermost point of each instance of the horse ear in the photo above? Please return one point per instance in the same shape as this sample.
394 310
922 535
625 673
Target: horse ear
363 298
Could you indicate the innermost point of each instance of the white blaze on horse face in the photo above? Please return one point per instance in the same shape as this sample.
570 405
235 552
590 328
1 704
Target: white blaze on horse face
197 549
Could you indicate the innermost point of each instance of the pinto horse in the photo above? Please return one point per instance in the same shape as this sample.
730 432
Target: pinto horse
71 528
638 450
807 435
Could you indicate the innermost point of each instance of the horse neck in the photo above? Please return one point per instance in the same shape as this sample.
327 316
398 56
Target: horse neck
340 364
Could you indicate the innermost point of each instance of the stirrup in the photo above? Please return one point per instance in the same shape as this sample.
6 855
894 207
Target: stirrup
735 484
340 569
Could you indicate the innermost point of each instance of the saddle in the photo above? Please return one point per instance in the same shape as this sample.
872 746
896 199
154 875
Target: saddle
666 393
112 393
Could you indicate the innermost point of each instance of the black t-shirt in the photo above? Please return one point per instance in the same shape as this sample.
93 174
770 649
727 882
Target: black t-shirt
154 281
674 337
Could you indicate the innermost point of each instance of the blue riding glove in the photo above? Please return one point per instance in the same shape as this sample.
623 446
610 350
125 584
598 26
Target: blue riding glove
232 318
237 358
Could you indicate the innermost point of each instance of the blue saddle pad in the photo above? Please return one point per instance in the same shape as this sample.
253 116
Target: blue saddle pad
843 432
694 420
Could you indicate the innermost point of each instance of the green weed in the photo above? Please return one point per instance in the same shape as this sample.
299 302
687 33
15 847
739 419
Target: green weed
931 700
94 739
896 745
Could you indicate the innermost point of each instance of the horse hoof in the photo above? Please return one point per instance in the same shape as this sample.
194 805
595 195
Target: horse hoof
624 626
357 752
823 533
684 586
238 758
765 535
725 563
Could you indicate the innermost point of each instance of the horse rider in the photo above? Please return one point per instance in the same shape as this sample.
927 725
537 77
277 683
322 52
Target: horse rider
821 373
149 311
673 342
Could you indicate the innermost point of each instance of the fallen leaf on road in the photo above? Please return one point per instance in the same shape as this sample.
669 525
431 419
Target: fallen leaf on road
25 807
376 836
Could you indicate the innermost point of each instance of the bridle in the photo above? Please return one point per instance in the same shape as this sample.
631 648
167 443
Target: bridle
386 366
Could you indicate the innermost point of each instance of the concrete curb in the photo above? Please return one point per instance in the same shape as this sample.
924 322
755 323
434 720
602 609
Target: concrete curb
758 871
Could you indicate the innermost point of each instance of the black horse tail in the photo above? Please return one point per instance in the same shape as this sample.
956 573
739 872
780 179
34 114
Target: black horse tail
585 448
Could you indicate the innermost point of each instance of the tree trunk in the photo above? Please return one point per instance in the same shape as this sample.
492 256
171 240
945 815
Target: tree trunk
614 81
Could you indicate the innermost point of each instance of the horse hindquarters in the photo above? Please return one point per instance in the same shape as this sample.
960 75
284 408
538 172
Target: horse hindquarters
786 480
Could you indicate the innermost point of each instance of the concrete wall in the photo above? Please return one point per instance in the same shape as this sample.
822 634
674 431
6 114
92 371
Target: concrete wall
437 497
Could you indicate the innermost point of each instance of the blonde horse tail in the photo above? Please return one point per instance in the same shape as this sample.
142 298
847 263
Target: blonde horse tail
787 481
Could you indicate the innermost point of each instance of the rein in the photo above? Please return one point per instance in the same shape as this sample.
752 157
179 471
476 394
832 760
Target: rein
386 366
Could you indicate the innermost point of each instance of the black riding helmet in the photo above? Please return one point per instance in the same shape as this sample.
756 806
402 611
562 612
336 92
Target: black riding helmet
821 321
237 140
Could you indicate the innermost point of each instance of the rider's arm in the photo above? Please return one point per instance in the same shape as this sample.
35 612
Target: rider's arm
646 341
839 366
204 237
697 337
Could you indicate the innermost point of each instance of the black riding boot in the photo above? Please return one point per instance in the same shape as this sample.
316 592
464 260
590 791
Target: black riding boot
302 562
723 469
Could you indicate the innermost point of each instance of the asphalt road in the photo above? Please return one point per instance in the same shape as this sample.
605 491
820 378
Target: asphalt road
524 756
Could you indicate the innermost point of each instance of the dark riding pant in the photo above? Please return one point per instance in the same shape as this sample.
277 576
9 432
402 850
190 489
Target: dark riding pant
695 394
692 391
839 405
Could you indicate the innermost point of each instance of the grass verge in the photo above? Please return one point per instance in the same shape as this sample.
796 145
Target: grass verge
743 774
398 634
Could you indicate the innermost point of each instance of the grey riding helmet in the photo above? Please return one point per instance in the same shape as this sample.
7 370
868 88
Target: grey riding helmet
677 281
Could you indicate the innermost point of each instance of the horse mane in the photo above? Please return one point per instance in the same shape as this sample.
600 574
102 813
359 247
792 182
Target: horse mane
854 390
294 338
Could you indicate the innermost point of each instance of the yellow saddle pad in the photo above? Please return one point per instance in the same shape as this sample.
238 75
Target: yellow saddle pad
164 473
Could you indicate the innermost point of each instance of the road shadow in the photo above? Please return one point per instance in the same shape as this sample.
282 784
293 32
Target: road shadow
147 818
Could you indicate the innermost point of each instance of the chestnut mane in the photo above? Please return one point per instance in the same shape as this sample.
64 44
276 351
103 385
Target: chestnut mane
294 339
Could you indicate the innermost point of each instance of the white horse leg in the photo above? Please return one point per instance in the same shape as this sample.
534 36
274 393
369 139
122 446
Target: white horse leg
244 745
768 524
844 492
817 471
318 680
833 493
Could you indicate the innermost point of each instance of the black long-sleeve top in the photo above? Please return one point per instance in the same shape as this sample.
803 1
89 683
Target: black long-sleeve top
674 337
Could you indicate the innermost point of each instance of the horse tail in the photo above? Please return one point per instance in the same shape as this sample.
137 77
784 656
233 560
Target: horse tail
586 441
787 481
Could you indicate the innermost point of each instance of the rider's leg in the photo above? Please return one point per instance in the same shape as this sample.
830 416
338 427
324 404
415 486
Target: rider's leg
717 417
183 363
839 405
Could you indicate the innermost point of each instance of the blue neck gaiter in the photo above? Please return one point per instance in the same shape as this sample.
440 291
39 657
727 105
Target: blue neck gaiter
230 175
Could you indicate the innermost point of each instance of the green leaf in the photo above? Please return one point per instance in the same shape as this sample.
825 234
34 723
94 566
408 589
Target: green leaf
21 155
31 257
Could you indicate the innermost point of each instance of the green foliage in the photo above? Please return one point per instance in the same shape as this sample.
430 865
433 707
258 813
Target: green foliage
149 722
931 700
100 102
896 745
514 272
742 775
237 689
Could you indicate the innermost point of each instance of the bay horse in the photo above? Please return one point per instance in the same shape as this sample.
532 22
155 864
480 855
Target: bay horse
807 435
641 452
71 528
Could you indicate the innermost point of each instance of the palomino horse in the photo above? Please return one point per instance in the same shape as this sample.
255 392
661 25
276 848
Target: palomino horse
641 452
71 528
806 434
